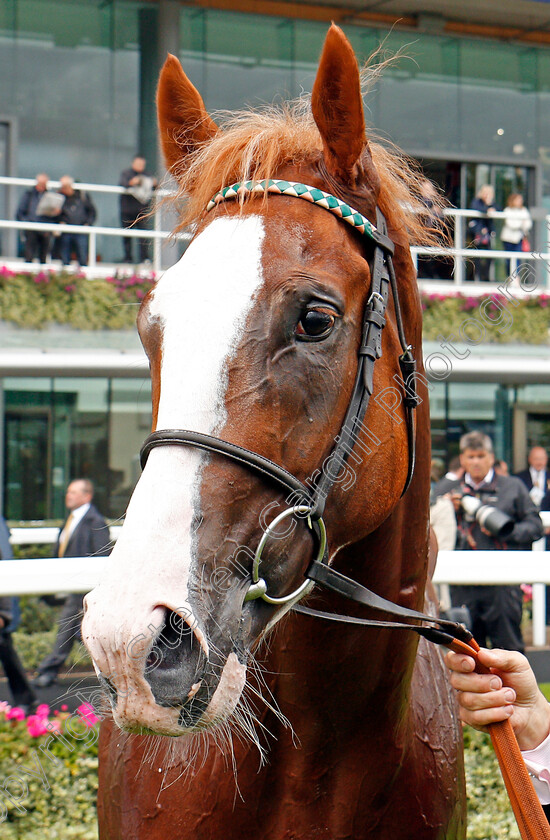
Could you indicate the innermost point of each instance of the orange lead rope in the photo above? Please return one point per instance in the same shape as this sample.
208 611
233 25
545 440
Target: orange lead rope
530 817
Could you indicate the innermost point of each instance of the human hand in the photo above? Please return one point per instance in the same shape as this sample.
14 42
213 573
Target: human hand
2 622
509 692
456 498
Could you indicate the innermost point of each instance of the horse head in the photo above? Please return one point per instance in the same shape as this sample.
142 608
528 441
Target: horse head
253 339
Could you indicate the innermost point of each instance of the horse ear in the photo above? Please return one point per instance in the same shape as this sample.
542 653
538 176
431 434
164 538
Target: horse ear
183 120
337 107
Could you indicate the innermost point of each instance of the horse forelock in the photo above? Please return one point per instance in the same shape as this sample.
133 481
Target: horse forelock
258 144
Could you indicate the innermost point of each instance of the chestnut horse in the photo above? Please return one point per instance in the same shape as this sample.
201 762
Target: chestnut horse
254 339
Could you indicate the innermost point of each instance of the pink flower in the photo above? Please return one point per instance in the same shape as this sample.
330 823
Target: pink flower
16 713
4 707
37 726
43 710
527 590
86 712
64 708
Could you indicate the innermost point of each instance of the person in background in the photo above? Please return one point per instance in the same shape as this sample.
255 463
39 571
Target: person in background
37 242
429 266
517 224
509 692
77 209
135 204
483 229
495 611
536 477
455 470
20 688
84 534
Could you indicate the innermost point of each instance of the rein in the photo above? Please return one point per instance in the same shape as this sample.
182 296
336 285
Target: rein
530 817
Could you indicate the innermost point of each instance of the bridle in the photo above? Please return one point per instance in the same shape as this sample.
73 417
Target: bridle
310 504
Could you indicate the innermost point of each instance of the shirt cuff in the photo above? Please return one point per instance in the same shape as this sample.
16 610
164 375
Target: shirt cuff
537 762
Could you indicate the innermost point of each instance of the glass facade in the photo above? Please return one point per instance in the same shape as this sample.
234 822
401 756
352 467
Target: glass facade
452 98
76 78
61 428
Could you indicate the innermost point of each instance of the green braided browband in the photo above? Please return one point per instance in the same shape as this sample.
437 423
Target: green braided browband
311 194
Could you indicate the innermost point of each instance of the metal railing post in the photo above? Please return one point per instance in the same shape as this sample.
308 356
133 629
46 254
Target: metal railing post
92 249
459 244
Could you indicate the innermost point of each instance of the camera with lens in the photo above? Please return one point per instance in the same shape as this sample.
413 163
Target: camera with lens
493 520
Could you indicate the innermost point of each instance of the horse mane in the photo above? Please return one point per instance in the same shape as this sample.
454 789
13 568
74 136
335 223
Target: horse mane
254 144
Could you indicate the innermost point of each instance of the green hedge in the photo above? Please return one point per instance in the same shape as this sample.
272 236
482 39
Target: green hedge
36 300
58 801
495 317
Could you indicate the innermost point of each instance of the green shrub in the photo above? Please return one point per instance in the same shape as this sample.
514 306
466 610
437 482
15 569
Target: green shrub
529 320
58 801
36 300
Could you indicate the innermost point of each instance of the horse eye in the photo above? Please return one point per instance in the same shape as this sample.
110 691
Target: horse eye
315 324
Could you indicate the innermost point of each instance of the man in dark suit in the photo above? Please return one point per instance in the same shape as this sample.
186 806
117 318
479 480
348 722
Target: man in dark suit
21 690
536 477
84 534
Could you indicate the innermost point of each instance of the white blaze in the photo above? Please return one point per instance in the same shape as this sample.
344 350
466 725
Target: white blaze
202 304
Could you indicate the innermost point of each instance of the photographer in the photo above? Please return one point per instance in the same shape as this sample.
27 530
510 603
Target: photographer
494 512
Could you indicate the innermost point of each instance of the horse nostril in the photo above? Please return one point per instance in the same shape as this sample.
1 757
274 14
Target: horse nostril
176 662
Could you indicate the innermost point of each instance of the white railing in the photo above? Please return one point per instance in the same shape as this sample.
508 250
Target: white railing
81 574
459 252
157 234
46 535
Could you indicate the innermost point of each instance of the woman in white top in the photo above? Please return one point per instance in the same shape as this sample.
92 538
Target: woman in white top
517 224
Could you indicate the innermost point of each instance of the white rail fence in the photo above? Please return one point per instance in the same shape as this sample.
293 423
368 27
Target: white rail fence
457 219
156 234
81 574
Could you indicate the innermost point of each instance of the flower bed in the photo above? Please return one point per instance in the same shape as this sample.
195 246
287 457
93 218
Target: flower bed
36 300
48 774
523 320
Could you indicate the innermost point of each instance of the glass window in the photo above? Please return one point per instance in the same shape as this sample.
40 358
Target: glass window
249 59
70 75
65 428
129 425
80 437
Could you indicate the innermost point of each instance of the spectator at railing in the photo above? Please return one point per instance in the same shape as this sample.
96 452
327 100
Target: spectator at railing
20 688
494 513
135 204
432 267
517 224
36 242
483 229
77 209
